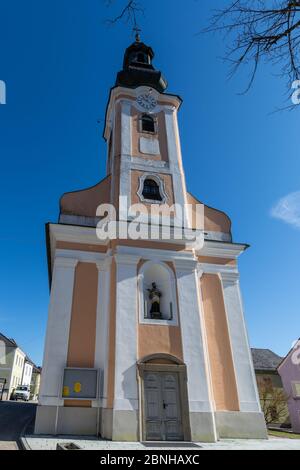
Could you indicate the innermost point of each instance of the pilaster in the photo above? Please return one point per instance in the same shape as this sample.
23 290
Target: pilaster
58 326
194 352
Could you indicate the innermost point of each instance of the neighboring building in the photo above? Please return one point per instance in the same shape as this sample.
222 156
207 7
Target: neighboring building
16 368
11 365
27 372
289 371
270 387
146 339
35 382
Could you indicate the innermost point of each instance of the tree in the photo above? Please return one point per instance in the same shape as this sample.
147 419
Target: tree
257 31
262 31
273 402
128 12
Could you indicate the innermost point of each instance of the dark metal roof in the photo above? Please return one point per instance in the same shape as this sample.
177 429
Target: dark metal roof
137 72
8 341
12 343
265 359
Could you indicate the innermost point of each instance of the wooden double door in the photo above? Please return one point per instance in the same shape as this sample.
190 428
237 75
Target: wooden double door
162 407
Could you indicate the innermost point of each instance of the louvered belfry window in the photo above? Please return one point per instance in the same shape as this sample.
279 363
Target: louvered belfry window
151 190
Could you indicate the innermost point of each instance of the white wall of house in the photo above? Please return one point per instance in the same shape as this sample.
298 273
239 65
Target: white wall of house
27 373
17 370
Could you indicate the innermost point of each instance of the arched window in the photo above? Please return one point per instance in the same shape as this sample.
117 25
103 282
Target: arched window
141 57
151 190
148 123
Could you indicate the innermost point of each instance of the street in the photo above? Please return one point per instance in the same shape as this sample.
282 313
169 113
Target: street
14 418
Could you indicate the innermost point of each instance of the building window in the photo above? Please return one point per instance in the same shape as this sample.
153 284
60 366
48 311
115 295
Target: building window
151 190
148 123
296 389
140 57
143 58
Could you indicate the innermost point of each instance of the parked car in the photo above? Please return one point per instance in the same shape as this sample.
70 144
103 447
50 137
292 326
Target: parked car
22 393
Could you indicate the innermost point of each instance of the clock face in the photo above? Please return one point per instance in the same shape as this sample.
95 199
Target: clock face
147 102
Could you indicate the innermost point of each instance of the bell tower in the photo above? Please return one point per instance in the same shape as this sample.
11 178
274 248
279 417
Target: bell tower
144 153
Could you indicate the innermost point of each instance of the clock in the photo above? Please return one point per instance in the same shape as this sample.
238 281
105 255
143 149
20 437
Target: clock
147 101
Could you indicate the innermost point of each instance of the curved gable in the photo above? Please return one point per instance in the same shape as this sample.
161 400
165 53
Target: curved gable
85 202
214 219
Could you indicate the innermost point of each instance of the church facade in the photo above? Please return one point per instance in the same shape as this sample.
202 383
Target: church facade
146 338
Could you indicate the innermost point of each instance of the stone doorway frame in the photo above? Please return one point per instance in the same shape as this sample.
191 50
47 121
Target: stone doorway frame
164 363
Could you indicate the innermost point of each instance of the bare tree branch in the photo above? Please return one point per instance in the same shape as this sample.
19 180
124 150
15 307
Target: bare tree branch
262 31
128 13
273 402
258 31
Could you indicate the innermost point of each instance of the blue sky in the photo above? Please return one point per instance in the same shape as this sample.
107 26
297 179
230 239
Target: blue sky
59 59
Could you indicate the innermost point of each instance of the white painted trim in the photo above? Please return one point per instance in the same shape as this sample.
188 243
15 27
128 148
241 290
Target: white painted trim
193 341
174 155
126 128
241 353
154 254
217 236
74 234
149 146
207 268
126 389
113 174
206 353
65 256
57 333
139 163
221 250
102 328
125 158
79 220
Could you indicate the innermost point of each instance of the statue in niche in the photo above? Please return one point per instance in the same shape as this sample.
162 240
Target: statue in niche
154 296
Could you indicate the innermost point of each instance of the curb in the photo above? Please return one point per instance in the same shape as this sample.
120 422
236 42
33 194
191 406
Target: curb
22 439
24 444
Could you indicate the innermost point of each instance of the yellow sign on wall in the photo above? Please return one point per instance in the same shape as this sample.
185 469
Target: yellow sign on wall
77 387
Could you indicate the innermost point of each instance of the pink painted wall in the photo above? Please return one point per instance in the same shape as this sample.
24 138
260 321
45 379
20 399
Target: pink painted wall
289 371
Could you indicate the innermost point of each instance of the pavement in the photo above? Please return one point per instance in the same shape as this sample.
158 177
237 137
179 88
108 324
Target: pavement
50 442
15 417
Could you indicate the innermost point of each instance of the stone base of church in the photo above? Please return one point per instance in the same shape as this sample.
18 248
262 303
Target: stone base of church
123 425
241 425
106 423
202 427
68 421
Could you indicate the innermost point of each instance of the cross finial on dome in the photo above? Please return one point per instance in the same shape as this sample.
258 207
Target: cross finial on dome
137 33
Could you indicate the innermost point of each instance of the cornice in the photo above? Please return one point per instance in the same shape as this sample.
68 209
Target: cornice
222 249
